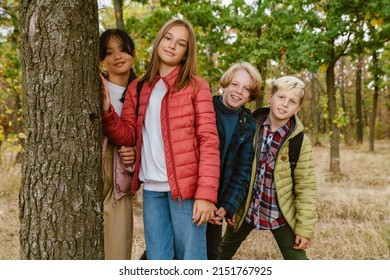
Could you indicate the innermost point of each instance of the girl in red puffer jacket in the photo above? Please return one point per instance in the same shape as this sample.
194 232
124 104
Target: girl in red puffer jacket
172 122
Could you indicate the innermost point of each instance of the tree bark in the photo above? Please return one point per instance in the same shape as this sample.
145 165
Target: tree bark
61 193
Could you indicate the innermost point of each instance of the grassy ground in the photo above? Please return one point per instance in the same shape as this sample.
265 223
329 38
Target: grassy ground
354 211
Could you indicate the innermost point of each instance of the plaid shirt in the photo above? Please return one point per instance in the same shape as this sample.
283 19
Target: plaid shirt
264 211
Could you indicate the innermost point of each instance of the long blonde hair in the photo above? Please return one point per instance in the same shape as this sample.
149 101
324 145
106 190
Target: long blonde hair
189 63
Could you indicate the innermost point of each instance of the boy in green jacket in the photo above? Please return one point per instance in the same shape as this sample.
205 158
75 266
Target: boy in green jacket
278 200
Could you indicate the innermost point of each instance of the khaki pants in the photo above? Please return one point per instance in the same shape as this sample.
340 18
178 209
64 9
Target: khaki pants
118 215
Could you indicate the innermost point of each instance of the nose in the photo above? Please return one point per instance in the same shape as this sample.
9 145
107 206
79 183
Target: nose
117 55
172 45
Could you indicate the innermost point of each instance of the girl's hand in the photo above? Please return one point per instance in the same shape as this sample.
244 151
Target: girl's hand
301 243
106 101
127 155
203 211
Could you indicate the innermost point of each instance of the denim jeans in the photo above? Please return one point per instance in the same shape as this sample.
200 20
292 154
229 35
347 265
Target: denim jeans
169 231
284 236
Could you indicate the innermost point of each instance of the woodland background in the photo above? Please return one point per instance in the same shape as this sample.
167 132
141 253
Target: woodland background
340 48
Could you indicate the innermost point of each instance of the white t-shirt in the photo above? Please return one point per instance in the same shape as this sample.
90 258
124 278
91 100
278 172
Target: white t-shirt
153 171
115 96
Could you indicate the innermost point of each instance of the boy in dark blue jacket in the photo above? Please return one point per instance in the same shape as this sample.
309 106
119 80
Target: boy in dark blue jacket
239 85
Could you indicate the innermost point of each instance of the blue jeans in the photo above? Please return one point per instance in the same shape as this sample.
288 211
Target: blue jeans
169 231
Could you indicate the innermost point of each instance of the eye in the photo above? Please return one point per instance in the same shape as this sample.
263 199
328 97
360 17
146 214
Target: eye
182 45
293 102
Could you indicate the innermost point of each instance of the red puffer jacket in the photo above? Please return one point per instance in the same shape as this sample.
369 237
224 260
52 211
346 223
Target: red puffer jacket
189 133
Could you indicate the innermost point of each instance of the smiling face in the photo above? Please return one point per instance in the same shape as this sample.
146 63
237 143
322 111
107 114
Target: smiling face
172 48
283 104
237 93
117 61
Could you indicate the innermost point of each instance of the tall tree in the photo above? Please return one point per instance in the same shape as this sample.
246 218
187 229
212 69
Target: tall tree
60 197
326 42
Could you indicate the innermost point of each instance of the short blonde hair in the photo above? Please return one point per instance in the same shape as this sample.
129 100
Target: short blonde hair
289 83
251 70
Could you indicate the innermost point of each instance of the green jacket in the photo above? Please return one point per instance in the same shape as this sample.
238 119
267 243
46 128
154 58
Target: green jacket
298 204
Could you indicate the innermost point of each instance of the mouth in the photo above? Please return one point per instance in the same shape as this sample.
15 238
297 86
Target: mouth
119 64
235 97
281 111
169 53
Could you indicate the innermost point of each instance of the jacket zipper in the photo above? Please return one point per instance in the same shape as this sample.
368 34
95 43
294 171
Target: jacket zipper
170 142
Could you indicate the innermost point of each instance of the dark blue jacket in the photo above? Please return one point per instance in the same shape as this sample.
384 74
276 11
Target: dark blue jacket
236 170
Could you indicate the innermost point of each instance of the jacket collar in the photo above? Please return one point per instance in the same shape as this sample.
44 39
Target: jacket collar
260 114
170 79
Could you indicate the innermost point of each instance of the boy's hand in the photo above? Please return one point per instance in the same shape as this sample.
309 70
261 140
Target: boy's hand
301 243
127 155
218 218
203 211
231 222
106 101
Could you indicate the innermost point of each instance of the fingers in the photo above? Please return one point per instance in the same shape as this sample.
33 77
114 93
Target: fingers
203 211
301 243
127 155
106 101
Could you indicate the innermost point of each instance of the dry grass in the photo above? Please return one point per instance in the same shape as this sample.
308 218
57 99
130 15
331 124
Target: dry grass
354 211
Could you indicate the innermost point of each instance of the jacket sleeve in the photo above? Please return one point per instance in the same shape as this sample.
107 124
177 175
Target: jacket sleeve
305 192
237 186
207 135
122 130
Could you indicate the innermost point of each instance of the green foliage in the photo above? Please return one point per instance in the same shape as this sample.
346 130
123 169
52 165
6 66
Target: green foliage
10 74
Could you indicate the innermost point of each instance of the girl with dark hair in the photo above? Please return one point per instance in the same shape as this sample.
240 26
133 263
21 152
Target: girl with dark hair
116 52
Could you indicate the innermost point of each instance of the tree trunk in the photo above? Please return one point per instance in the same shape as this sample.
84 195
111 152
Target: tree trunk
344 106
334 131
314 111
359 114
118 8
375 101
61 193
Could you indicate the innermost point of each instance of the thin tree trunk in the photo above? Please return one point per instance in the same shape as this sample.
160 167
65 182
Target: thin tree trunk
61 193
314 110
342 95
332 105
375 101
359 114
118 8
